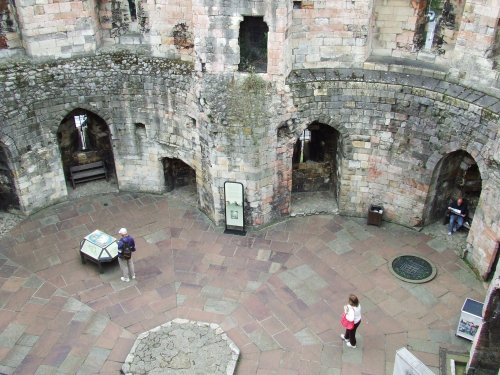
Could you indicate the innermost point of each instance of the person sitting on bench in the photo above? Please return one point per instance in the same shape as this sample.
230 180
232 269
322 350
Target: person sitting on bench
458 212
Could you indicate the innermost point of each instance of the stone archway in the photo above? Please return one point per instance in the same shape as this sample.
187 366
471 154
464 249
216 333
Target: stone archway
8 194
180 179
84 138
316 167
455 175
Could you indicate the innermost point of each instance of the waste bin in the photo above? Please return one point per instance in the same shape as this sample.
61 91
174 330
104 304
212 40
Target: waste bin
375 215
471 318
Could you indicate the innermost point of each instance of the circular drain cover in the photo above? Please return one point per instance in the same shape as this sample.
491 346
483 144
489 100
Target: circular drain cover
412 268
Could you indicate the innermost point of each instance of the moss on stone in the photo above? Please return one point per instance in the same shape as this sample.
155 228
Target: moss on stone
488 115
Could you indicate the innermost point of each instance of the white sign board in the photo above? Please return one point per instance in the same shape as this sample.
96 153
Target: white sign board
234 199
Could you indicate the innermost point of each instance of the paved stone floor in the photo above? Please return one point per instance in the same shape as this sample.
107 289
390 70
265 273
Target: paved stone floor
277 292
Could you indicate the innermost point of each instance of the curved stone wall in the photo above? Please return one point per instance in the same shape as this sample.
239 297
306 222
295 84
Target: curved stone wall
123 89
398 127
394 128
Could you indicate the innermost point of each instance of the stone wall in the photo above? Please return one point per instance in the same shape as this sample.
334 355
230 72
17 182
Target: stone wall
10 39
322 34
122 89
484 236
476 53
395 129
485 352
164 79
394 27
330 34
242 115
65 28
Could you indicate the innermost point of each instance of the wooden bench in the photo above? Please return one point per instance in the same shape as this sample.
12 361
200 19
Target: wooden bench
87 172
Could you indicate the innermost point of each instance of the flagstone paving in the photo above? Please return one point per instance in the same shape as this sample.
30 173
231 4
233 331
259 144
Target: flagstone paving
277 292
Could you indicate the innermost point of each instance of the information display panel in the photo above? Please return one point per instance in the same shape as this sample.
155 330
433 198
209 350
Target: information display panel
234 200
98 247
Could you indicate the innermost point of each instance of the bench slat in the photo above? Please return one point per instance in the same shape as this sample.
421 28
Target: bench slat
90 172
97 164
87 172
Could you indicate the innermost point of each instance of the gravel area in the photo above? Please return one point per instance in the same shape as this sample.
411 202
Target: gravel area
8 221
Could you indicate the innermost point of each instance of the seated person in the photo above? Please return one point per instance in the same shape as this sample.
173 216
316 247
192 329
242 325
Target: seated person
458 212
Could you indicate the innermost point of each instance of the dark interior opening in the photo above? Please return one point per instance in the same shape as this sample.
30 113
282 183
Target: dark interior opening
253 45
456 175
8 195
177 174
85 138
315 159
133 10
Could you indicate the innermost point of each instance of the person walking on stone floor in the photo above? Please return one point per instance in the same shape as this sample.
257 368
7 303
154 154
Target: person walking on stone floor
126 246
353 315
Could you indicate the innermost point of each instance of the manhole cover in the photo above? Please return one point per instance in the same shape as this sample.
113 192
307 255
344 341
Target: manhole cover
412 268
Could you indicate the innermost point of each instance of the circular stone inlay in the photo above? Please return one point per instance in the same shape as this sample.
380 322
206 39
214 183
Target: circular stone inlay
182 347
412 268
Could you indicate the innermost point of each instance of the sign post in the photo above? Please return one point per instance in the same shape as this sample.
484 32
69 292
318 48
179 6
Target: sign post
234 199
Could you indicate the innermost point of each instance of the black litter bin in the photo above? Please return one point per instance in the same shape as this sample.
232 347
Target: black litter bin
375 215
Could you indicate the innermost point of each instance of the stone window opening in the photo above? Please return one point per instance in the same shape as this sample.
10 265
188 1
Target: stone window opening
310 146
133 10
440 27
81 125
303 4
140 137
129 17
7 23
140 129
303 145
496 48
253 45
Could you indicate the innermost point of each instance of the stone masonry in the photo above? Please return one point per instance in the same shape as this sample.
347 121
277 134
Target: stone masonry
164 77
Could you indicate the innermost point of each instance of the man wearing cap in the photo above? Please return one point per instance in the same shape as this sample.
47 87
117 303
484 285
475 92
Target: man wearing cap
126 265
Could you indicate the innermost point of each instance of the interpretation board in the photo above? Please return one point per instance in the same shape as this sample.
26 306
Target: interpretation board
234 198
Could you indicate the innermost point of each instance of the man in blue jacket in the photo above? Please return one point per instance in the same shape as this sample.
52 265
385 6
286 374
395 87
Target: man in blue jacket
458 213
126 246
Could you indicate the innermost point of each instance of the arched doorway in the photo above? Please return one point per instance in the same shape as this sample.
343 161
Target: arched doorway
180 179
455 175
8 194
316 165
85 138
